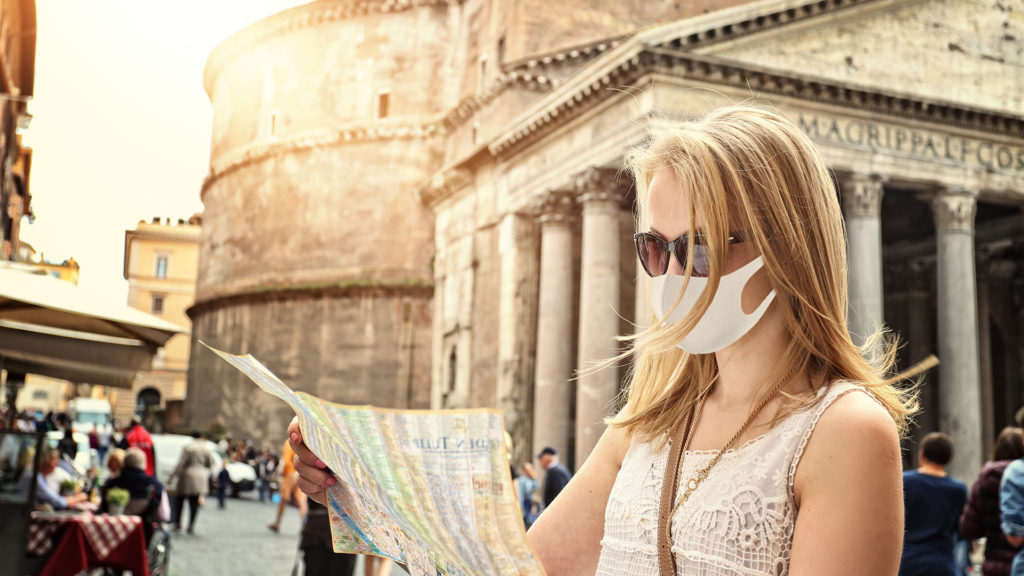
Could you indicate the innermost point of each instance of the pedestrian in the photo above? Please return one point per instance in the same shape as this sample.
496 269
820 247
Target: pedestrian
289 489
933 503
94 440
223 483
981 518
266 472
136 436
103 446
556 476
755 436
67 445
191 478
1011 506
527 487
318 553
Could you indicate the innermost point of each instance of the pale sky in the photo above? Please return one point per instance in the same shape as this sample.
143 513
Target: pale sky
121 127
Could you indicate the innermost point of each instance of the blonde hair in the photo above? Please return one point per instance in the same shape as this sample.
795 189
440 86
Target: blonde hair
750 167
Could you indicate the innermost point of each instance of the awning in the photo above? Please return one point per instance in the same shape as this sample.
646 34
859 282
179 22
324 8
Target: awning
51 327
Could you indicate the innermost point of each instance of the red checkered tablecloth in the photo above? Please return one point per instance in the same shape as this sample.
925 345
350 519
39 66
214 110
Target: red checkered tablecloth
89 539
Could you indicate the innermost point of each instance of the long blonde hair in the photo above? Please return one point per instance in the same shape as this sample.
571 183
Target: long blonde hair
749 165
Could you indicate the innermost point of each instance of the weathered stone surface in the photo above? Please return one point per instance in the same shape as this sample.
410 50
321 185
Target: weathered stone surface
950 51
359 350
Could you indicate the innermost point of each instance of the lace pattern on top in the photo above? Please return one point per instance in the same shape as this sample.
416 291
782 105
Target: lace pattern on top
740 520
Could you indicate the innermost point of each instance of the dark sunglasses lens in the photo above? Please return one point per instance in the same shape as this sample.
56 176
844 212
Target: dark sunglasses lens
701 261
653 254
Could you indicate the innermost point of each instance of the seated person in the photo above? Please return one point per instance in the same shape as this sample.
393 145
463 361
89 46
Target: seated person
44 495
134 479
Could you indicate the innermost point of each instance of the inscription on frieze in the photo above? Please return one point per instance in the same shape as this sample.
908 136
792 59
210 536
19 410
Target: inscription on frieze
882 137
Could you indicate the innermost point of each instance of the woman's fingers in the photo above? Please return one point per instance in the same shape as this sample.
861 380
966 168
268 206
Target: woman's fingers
313 477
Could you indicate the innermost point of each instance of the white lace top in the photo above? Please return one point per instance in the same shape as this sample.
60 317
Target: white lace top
740 520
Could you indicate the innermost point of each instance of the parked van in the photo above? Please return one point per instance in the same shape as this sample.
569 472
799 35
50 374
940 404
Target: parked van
89 413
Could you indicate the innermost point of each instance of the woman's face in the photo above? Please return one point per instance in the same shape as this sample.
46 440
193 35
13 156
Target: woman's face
669 211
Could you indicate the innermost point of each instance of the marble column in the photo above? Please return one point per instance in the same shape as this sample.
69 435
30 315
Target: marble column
552 418
596 392
957 306
862 203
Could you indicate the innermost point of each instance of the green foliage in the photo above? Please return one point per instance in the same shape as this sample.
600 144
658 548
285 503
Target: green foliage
68 486
118 496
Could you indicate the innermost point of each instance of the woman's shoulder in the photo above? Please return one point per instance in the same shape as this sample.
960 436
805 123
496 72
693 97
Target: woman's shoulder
851 413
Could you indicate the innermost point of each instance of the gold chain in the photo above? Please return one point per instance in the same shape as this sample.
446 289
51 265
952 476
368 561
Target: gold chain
693 483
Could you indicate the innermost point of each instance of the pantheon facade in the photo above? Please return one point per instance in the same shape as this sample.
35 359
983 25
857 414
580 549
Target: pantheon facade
421 204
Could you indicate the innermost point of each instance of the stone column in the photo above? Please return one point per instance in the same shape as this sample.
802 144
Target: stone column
552 418
862 202
599 297
959 376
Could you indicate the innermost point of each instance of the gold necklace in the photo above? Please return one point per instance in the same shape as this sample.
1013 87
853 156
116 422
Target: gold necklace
693 483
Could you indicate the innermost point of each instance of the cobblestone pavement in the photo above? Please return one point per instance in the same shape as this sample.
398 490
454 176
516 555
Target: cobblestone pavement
236 540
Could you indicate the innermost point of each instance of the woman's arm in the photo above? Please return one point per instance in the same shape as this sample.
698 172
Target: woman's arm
849 492
567 535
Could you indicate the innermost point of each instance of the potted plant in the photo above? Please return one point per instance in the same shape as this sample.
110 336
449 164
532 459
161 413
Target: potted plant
117 499
67 487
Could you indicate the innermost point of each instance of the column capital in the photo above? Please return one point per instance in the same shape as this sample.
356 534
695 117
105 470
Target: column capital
862 193
557 205
954 209
596 184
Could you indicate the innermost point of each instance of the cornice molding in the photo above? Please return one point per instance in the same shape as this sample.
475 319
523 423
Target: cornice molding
585 92
259 152
443 185
299 18
720 29
266 294
469 106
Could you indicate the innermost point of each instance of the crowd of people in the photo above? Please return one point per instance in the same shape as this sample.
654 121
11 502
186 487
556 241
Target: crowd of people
946 522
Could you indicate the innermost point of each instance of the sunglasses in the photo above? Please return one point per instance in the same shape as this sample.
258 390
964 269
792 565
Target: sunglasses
654 252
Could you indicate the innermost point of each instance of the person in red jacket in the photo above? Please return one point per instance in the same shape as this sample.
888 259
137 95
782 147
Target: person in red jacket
135 436
980 518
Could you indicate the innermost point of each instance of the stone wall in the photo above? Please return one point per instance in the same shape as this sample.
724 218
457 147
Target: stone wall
954 51
362 349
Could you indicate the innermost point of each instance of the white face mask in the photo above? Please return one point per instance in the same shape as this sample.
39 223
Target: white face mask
724 322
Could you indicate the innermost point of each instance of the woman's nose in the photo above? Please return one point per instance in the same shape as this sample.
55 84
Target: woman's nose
674 266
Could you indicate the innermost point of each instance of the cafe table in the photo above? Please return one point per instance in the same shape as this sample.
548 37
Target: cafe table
78 541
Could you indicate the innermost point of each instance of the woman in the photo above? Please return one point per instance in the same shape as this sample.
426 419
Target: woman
191 480
792 459
981 515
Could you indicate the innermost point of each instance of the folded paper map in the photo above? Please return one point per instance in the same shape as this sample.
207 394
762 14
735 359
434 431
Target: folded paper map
429 489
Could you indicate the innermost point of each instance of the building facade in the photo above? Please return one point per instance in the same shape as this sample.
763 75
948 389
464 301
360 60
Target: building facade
17 80
160 262
449 173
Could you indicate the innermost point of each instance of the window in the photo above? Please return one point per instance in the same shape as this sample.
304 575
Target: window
483 75
161 266
272 125
501 50
158 304
39 395
383 103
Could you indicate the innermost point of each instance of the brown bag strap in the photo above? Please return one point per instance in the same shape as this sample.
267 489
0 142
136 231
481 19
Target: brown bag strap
669 486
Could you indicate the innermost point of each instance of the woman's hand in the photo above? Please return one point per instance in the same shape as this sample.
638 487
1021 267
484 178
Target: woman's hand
313 478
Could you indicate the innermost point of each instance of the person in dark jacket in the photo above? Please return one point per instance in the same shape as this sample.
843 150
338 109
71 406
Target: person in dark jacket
981 516
556 476
933 504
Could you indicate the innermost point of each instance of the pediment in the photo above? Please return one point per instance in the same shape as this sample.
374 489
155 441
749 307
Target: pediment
968 52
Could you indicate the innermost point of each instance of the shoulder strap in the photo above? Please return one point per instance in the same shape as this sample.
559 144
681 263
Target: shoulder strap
666 561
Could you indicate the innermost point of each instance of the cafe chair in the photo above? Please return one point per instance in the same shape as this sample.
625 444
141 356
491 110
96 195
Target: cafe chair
19 456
